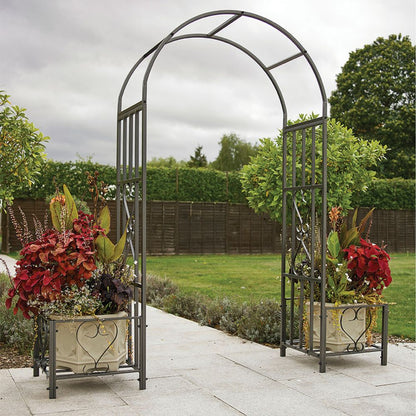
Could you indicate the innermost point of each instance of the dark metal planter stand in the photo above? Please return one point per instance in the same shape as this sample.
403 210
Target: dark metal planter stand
44 353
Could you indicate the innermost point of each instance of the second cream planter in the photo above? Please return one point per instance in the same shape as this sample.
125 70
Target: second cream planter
345 328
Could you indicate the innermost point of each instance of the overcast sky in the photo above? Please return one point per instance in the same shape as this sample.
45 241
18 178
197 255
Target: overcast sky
65 61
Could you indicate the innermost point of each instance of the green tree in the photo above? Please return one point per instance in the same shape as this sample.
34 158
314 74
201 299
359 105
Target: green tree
348 159
375 97
234 153
198 160
21 149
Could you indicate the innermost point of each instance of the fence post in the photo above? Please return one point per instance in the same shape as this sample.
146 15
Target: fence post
5 233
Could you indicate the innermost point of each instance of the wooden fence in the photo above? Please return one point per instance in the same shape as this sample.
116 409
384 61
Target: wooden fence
203 228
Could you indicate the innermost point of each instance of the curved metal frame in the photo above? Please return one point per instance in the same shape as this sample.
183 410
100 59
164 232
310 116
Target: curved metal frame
133 120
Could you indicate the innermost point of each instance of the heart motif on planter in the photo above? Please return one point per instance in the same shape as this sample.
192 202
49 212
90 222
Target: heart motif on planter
96 338
355 345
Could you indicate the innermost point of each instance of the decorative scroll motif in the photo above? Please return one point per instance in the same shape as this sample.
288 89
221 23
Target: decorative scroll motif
302 236
86 340
130 225
355 345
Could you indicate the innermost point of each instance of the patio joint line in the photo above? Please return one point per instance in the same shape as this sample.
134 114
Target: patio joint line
229 405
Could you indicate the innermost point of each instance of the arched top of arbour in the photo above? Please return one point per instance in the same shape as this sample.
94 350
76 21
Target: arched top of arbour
231 16
132 172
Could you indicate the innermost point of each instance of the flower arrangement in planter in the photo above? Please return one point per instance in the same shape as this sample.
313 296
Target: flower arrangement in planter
357 273
73 270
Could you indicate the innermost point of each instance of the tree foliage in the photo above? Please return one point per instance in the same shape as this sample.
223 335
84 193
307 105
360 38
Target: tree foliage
234 153
198 160
349 162
21 149
375 97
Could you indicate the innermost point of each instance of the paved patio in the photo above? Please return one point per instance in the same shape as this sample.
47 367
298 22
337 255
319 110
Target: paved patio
195 370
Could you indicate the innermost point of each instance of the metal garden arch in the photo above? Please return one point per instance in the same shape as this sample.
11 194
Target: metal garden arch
296 236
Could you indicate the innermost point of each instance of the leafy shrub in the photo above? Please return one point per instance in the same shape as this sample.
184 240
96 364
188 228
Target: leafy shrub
261 322
188 305
14 329
158 289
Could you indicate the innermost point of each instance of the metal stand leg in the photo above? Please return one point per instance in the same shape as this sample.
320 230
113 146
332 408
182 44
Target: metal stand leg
52 359
384 334
322 340
36 348
283 329
142 370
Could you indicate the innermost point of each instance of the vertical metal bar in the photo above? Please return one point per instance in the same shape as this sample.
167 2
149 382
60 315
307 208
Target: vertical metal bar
301 309
302 286
52 359
303 155
143 251
130 150
284 249
136 238
293 240
313 237
118 178
384 334
124 168
322 353
129 173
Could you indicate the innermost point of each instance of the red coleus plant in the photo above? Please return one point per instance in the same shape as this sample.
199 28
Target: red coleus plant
58 260
64 258
369 265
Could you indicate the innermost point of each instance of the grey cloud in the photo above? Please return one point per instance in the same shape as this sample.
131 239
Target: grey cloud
65 61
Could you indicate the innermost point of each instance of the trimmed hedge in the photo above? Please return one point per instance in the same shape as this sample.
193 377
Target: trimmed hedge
73 174
397 193
197 185
163 184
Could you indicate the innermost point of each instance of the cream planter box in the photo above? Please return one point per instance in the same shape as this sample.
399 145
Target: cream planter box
345 328
91 345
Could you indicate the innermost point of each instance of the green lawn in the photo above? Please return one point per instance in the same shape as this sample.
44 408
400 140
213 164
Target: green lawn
401 295
239 276
255 277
